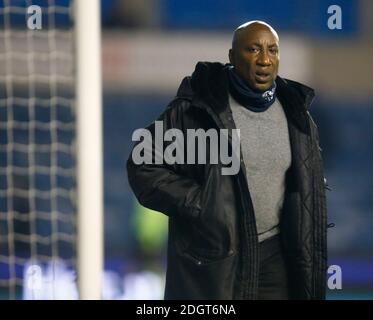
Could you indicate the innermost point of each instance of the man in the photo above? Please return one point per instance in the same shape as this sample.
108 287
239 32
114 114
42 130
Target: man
260 233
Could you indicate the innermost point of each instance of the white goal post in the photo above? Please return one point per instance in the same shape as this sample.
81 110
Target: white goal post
89 148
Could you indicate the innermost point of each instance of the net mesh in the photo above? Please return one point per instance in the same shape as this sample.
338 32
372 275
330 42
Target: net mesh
37 150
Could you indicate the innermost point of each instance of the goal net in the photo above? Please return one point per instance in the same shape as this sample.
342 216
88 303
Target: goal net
37 150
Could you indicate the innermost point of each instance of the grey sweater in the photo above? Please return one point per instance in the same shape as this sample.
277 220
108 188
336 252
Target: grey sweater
266 153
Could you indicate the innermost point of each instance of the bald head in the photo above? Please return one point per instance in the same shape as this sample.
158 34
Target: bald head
255 54
252 26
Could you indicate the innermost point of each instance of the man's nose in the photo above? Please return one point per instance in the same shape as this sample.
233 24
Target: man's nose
263 59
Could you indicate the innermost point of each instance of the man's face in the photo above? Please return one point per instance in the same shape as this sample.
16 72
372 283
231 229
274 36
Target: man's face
255 56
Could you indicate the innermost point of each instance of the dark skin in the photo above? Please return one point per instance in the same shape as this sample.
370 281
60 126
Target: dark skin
255 55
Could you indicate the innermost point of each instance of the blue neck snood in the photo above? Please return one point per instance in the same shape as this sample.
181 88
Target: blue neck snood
250 99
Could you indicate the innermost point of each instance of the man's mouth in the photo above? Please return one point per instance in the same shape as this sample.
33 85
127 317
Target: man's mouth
262 77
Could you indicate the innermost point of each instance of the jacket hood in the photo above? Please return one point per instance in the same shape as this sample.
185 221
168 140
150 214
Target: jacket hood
207 83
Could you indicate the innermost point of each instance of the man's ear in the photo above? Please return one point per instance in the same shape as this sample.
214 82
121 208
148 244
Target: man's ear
230 55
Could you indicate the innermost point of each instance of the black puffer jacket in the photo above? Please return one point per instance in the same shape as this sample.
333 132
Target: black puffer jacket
212 243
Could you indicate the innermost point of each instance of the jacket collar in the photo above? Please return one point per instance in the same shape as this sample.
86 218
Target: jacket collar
296 99
208 88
